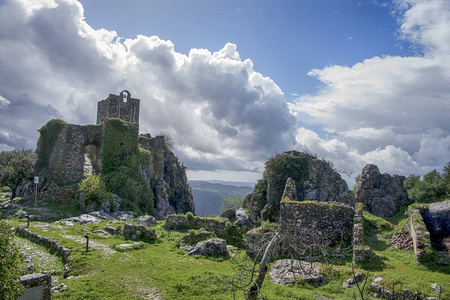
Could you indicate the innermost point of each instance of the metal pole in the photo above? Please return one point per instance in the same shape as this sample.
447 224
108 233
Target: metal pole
35 193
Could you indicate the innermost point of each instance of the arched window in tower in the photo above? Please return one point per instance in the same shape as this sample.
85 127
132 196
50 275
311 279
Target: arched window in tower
125 95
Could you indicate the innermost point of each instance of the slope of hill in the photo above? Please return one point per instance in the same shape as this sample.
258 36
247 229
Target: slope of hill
209 195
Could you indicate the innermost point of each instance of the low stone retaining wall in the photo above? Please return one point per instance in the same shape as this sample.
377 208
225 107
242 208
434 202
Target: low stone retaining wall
419 234
222 227
60 249
134 232
38 286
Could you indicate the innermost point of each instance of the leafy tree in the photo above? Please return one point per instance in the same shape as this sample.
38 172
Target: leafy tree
16 167
432 188
10 286
233 202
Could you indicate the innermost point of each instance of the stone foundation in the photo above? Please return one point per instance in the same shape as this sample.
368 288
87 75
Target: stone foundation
38 286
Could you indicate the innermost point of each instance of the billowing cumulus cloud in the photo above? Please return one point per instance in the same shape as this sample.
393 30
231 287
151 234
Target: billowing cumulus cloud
391 110
220 113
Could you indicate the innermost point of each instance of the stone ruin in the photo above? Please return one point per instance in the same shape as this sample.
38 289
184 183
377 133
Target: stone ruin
79 145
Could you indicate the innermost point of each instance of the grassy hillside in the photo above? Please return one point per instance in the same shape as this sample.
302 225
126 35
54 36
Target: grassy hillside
160 270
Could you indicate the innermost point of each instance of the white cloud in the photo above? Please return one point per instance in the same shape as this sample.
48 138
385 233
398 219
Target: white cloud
220 113
388 109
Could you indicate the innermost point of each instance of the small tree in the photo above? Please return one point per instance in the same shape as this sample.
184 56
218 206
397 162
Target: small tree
16 167
432 188
10 286
233 202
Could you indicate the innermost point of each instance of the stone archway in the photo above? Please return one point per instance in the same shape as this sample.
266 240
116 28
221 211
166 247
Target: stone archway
92 158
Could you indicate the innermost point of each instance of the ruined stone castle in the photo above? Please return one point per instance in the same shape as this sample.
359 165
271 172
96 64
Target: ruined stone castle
68 148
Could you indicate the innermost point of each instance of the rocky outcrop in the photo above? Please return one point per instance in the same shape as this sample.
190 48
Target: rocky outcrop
166 177
437 220
381 194
315 180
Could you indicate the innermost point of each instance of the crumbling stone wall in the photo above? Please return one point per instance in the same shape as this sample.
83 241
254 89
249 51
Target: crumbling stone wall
419 234
119 106
134 232
66 162
308 222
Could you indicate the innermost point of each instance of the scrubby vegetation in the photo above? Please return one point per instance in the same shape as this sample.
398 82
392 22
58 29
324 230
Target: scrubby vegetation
160 269
10 286
16 168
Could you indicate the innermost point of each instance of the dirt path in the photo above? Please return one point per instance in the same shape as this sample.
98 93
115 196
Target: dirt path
105 250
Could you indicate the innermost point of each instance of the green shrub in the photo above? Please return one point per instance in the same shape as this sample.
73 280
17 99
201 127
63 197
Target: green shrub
189 216
10 286
94 189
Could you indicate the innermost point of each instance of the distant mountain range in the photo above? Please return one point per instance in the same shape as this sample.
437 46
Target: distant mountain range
209 195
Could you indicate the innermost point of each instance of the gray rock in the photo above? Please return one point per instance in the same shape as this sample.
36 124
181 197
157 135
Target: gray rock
145 220
229 214
123 215
101 215
381 194
351 282
288 271
84 219
212 247
437 218
243 219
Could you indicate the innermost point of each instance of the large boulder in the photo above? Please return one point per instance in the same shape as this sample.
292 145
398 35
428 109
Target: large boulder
437 220
381 194
315 180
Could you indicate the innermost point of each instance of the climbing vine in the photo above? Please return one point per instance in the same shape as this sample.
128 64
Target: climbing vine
48 135
121 160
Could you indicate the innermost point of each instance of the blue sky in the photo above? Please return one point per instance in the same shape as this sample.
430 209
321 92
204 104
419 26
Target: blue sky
284 39
235 82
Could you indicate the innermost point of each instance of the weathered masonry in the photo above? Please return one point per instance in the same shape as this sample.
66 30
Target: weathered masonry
66 161
121 107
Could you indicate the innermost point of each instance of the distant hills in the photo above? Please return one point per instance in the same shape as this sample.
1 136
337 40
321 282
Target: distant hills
209 195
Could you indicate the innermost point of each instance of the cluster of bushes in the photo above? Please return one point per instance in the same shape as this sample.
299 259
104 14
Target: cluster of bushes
434 186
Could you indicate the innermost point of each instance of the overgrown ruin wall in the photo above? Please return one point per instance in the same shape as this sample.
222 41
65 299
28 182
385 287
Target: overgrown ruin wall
66 162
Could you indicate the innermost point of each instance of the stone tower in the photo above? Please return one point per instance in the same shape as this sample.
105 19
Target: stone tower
119 106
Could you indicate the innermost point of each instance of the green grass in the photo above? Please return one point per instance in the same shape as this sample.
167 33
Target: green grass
161 269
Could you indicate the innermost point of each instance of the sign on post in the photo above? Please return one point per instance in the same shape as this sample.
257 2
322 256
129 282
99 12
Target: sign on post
36 181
